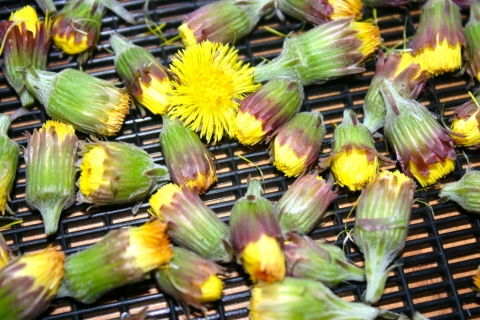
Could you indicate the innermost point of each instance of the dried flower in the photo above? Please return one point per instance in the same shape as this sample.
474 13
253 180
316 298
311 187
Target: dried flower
26 43
188 160
265 110
190 279
465 191
423 147
223 21
328 51
8 164
381 226
319 261
89 104
406 76
472 33
28 284
257 237
321 11
122 257
50 165
304 204
145 78
466 124
437 45
211 82
297 143
191 223
116 173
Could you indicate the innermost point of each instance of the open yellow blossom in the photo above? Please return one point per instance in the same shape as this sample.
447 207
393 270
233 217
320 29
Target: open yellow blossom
438 170
163 197
264 260
28 15
287 161
346 9
469 128
369 34
92 170
211 82
445 57
353 168
211 289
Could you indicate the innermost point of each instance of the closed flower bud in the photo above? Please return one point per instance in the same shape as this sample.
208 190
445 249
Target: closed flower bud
381 226
123 256
257 237
297 143
424 148
328 51
145 78
77 26
406 76
26 42
5 253
8 164
50 164
437 45
89 104
190 279
321 11
116 173
466 124
191 223
188 160
465 192
265 110
304 299
323 262
353 158
29 283
223 21
472 33
304 204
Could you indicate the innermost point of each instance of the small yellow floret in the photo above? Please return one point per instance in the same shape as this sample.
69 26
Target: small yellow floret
437 170
212 289
149 245
67 42
28 15
248 130
163 196
369 34
445 57
264 260
202 182
187 35
353 169
154 95
469 128
287 161
346 9
396 176
61 129
119 107
92 169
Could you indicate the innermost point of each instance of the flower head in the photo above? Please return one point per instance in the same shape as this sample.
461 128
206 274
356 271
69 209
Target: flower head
50 168
116 172
465 191
407 77
382 217
98 106
265 110
27 15
472 33
191 223
437 45
145 78
29 283
8 164
424 148
211 82
188 160
297 143
369 35
257 237
466 124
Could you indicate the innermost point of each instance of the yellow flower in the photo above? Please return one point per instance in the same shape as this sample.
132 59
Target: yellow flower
353 168
212 289
248 130
67 42
149 245
445 57
163 197
398 177
211 82
346 9
437 170
469 128
28 15
287 161
61 129
92 170
187 35
369 34
154 95
264 260
406 61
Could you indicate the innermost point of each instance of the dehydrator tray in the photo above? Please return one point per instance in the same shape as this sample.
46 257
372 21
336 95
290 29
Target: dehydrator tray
442 250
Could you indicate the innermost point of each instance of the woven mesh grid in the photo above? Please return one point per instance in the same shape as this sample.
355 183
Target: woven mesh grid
442 250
